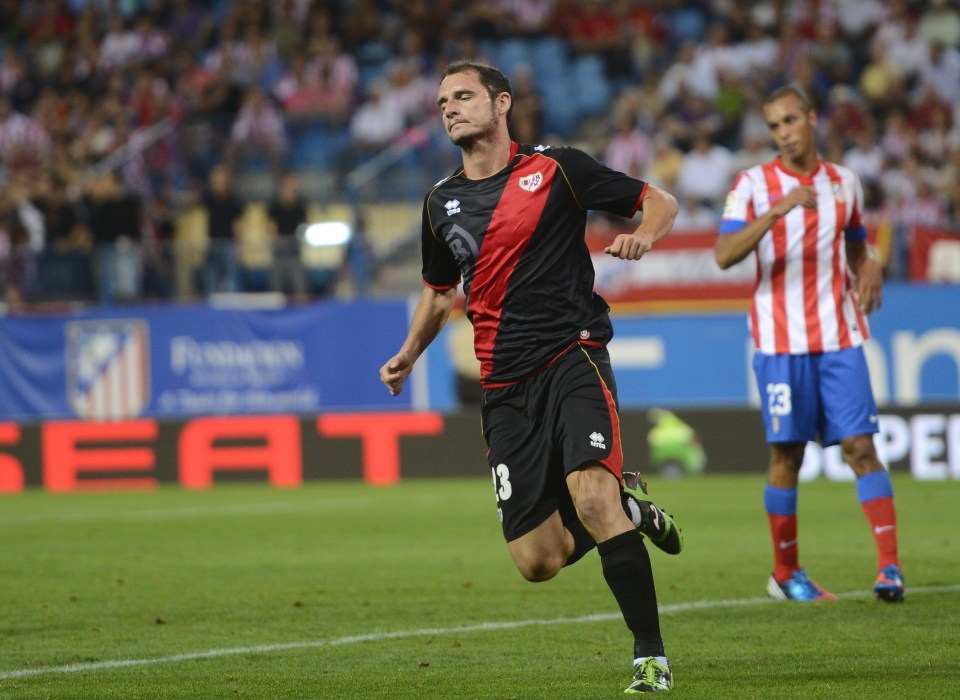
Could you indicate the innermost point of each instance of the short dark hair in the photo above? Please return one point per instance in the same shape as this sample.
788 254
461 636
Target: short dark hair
790 89
491 77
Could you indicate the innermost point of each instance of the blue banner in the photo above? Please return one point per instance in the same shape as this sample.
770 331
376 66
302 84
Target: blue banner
178 361
183 361
704 360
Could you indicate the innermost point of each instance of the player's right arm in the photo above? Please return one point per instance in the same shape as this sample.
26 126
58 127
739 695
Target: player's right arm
735 244
432 311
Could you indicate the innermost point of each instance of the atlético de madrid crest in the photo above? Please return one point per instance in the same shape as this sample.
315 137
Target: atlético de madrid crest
108 368
531 182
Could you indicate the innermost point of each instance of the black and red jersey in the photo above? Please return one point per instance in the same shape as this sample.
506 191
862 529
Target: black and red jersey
517 241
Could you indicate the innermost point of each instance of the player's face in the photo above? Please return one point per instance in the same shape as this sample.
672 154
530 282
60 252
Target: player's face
468 112
791 127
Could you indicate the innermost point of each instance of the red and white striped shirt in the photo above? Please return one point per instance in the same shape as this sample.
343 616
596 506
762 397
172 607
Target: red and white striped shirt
804 301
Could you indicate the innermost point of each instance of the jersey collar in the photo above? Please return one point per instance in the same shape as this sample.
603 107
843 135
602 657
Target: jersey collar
804 178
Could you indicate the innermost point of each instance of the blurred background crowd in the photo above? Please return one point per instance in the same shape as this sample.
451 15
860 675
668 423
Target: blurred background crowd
165 149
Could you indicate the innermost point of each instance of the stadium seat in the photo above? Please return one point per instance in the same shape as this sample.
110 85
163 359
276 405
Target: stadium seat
560 112
591 86
316 146
513 52
548 56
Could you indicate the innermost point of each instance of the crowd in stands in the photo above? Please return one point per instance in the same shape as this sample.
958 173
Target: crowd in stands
116 115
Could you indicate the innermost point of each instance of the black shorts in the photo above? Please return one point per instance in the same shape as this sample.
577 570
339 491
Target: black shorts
541 429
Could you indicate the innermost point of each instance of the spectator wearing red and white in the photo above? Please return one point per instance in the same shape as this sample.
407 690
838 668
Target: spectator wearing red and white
528 18
629 149
907 178
245 54
936 135
596 28
845 113
118 47
150 42
259 127
12 69
897 138
925 208
23 139
335 73
410 91
298 91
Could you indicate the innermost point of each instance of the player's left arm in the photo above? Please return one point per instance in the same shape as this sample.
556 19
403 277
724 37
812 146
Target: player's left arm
864 262
659 210
862 258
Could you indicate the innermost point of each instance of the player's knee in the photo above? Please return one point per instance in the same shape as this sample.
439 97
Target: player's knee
788 456
860 453
540 569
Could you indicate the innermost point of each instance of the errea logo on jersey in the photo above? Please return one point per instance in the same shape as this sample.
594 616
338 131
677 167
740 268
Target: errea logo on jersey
597 440
531 182
453 207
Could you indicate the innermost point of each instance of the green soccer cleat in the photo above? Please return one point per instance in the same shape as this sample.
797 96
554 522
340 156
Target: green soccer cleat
651 675
648 519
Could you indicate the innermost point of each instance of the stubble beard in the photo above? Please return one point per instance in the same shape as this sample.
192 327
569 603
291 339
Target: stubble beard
470 140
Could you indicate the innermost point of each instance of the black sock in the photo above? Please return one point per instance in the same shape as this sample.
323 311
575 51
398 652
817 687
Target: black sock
626 568
583 541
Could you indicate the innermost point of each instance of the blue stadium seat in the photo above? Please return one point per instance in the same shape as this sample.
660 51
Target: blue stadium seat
591 87
687 24
560 113
316 146
513 52
549 58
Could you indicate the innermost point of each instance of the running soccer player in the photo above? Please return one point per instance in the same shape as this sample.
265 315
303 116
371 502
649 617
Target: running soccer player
510 224
802 217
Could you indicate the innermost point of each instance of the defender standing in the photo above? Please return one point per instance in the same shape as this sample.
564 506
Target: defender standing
817 278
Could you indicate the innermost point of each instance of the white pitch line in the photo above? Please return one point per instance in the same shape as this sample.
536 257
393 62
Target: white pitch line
176 513
408 634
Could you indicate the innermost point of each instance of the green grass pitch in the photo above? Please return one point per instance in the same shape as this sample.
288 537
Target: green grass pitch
341 590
